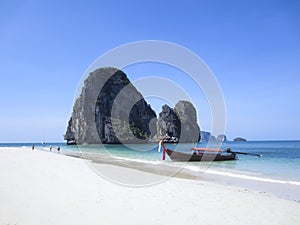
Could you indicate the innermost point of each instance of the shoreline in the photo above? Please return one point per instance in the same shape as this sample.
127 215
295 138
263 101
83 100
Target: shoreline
39 187
278 188
289 190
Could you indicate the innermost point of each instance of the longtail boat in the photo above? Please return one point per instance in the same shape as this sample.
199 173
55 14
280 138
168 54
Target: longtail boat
198 154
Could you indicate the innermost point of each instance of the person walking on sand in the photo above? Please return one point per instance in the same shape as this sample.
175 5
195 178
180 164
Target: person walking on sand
58 149
32 147
50 148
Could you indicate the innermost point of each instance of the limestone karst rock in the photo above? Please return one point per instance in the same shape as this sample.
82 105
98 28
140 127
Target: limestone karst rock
110 110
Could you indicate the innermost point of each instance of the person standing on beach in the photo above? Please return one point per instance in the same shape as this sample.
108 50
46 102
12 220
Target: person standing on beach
32 147
50 148
58 149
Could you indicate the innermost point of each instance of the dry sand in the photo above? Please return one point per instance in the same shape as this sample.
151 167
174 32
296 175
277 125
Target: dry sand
39 187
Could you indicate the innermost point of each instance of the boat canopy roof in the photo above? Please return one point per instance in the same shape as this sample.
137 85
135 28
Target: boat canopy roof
207 149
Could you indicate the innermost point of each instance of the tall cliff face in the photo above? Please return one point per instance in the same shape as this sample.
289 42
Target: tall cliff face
110 110
190 130
179 124
168 123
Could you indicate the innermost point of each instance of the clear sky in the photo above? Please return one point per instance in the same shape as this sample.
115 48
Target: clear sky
253 48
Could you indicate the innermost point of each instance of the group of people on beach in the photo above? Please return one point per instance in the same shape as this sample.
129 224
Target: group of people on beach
58 148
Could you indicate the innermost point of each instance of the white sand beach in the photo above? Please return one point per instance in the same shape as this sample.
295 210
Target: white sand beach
38 187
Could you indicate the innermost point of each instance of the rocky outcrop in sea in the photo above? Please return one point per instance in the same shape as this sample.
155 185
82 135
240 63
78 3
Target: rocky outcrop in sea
206 136
169 125
187 114
222 138
110 110
179 124
239 139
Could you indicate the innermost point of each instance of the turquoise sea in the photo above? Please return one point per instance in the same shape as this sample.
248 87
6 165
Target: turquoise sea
279 164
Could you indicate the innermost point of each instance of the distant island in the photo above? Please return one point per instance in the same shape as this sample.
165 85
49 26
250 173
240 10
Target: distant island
239 139
207 136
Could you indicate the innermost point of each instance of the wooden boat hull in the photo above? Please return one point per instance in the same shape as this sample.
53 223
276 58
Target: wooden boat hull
207 157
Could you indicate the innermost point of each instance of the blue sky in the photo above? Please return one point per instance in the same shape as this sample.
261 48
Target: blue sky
253 48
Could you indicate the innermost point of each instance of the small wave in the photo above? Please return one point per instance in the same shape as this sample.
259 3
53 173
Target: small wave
243 176
294 182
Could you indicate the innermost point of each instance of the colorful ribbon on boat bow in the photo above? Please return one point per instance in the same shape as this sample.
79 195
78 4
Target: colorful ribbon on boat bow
165 149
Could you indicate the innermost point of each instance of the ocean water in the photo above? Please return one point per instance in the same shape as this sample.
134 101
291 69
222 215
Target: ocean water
280 161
